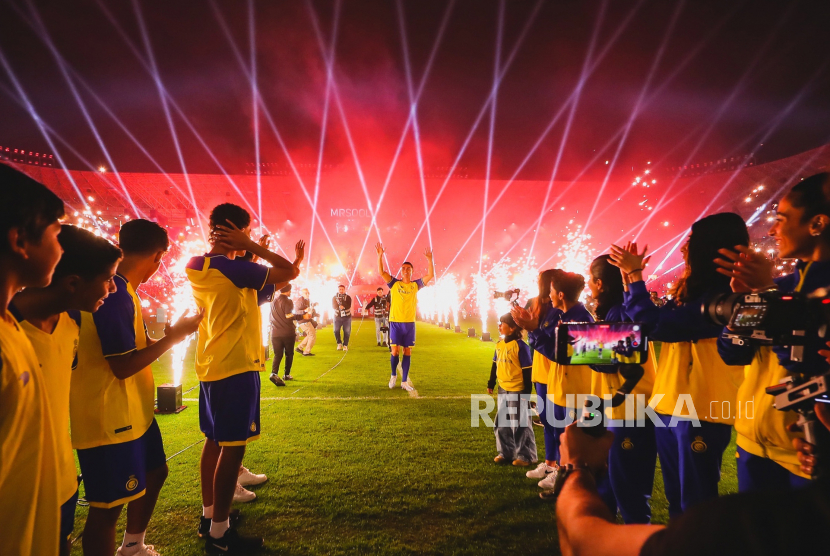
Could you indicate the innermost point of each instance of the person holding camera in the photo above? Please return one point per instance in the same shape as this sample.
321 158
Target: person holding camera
342 305
380 305
565 382
307 325
633 455
766 457
692 384
771 523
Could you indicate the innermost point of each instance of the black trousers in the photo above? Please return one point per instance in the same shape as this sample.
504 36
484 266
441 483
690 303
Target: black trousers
283 347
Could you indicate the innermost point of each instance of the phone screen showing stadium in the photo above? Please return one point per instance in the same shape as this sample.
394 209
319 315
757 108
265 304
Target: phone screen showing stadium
601 343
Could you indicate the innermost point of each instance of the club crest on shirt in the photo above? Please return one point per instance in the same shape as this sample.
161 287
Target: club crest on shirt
132 483
698 445
253 426
627 444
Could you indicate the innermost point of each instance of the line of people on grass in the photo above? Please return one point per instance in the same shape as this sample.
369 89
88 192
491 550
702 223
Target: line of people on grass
696 362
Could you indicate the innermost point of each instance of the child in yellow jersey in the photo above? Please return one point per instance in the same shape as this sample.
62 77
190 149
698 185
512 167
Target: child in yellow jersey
29 250
51 318
112 399
228 361
515 439
403 305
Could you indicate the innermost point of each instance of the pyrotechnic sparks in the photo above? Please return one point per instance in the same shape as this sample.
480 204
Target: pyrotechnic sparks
441 299
181 300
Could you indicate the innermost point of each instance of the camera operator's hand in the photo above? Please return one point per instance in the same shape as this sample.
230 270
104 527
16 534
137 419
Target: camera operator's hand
184 327
806 452
579 448
524 319
231 237
629 260
749 270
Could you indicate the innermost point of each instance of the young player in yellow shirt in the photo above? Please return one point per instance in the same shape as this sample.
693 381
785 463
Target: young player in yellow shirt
29 251
112 398
228 361
51 318
403 306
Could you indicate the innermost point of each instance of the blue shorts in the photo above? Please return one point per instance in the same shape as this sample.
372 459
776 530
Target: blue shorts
68 517
229 409
117 473
402 334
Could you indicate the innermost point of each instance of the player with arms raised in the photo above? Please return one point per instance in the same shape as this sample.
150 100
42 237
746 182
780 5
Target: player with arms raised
402 309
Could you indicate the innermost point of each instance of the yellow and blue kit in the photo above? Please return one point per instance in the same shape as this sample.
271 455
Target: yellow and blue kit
229 347
565 382
766 457
56 352
689 365
515 439
28 456
633 455
112 421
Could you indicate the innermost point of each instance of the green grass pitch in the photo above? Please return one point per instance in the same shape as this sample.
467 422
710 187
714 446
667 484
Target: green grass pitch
356 468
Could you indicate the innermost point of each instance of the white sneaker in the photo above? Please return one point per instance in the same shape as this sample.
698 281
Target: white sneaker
246 478
542 470
345 348
548 481
392 380
145 550
407 386
243 495
339 347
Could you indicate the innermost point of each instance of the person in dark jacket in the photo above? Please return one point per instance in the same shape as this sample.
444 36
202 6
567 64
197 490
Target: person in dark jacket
342 305
380 305
283 334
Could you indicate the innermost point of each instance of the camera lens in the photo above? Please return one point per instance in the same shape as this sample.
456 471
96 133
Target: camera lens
719 308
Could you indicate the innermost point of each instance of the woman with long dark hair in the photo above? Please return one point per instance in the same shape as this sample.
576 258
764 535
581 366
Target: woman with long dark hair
565 382
632 458
692 385
538 308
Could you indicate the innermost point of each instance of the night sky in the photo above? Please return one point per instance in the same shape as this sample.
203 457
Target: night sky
725 75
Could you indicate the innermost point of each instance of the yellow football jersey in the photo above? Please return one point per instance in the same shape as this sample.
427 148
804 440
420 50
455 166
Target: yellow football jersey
30 511
603 384
696 369
541 368
762 429
511 359
55 353
403 303
568 380
230 334
104 409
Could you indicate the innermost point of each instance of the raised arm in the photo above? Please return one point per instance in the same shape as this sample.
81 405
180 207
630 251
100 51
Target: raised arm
431 271
282 271
386 276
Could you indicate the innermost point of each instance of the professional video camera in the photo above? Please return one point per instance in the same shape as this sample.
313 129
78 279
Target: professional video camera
510 295
790 320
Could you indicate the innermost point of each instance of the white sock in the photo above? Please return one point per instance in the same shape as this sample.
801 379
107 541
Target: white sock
207 511
132 543
218 528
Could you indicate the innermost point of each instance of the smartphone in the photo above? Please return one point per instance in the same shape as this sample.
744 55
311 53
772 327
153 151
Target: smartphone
601 343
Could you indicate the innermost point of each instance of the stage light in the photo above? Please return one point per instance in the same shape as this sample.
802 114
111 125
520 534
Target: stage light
102 169
91 199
